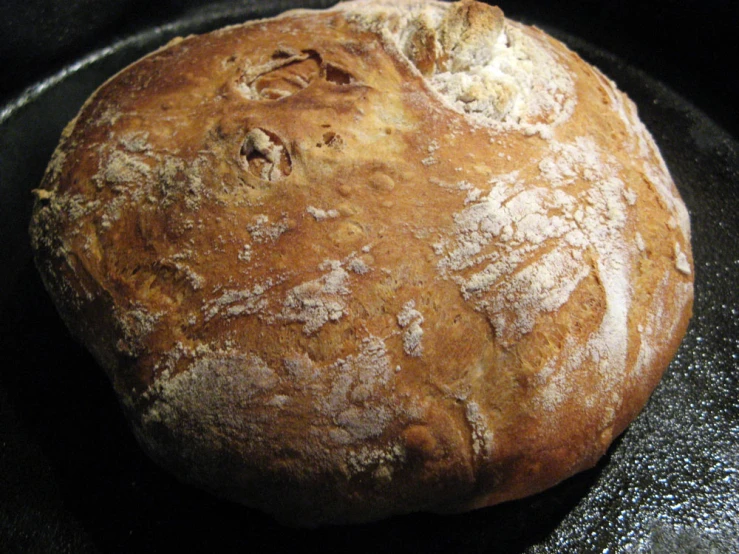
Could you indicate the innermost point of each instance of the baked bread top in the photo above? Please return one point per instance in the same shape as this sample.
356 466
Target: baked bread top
387 257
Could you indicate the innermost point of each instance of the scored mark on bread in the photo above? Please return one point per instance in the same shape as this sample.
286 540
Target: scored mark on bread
289 72
338 76
265 156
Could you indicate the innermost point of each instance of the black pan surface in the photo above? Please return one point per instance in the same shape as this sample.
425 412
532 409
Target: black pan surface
73 480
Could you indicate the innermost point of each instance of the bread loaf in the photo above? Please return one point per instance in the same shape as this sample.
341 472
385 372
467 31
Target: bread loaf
393 256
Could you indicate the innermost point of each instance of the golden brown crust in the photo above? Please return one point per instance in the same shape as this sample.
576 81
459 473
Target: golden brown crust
383 258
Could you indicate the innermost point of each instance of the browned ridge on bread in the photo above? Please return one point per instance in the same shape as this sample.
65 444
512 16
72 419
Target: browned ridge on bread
383 258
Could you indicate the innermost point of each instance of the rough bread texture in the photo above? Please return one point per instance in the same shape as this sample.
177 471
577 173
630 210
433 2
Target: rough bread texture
389 257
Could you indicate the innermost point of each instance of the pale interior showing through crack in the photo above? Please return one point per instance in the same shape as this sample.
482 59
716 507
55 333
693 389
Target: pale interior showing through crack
479 62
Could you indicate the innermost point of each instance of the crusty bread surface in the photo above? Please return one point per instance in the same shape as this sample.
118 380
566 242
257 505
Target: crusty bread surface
388 257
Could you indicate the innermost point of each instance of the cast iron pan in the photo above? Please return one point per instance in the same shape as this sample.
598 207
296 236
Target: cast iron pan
72 479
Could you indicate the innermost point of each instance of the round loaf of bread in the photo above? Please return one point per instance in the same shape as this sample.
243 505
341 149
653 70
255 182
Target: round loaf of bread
393 256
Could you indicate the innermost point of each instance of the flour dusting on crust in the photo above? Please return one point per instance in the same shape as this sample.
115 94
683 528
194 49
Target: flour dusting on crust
493 70
410 320
522 250
315 303
540 233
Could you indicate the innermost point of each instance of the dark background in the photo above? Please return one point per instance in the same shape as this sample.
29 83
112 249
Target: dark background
690 45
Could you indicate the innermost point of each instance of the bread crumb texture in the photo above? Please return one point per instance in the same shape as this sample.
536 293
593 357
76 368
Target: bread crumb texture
382 258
